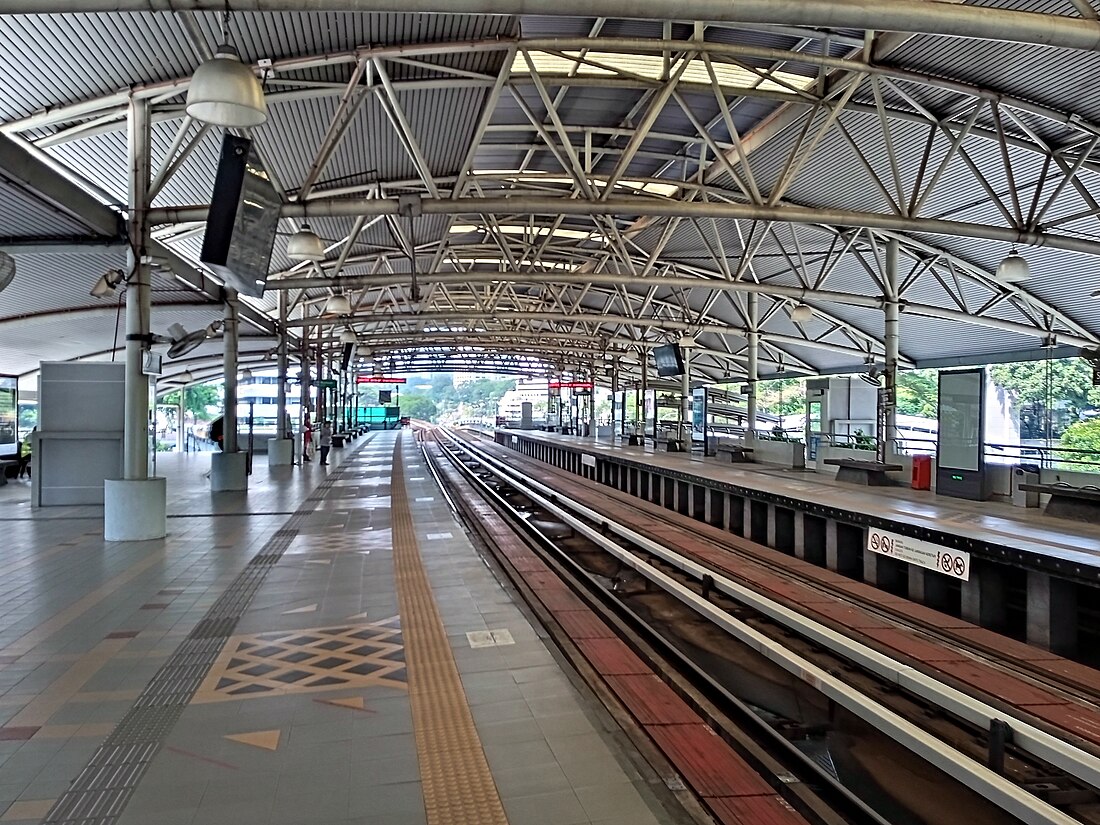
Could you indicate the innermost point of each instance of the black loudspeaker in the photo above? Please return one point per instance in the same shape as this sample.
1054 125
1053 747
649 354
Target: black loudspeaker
243 219
348 349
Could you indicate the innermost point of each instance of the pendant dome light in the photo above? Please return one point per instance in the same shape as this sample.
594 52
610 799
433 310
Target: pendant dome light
802 313
224 91
337 305
348 336
1014 268
305 245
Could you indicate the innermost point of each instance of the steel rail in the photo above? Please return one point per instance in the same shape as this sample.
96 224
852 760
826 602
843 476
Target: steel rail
899 15
652 207
1057 752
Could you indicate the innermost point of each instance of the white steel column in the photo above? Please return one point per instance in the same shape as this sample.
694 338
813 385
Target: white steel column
229 469
229 370
615 400
280 449
685 400
592 403
753 353
135 505
135 451
891 307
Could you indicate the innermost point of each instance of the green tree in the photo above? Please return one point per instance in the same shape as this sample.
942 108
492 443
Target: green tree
199 397
482 395
1070 381
918 391
416 405
779 396
1084 435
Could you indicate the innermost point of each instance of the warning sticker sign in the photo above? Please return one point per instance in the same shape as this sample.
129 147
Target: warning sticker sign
954 563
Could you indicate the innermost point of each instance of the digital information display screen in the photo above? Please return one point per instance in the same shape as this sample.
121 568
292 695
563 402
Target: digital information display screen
243 219
669 360
960 429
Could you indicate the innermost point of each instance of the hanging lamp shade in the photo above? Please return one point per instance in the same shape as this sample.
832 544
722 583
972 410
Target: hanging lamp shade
337 305
246 375
801 314
225 92
305 245
186 377
348 337
1014 268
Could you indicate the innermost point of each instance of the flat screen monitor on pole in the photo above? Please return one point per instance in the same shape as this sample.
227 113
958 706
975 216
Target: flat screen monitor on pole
243 219
669 360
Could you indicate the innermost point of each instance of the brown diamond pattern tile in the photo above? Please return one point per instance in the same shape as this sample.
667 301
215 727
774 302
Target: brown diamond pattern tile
13 734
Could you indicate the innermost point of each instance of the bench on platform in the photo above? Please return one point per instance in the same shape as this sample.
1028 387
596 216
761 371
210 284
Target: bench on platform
9 465
675 445
867 473
635 440
738 453
1080 503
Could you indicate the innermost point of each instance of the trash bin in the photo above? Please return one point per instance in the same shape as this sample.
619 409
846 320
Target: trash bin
1025 474
922 472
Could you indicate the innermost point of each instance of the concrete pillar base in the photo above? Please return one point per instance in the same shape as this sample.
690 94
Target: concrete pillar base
135 509
280 452
228 472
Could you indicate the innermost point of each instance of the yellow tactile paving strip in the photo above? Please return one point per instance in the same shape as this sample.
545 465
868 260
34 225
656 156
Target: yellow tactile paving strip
458 786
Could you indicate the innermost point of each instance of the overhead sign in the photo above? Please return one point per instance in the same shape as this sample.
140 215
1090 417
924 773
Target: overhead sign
954 563
570 385
378 379
326 384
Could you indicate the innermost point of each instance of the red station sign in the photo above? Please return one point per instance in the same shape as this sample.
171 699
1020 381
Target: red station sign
570 385
378 379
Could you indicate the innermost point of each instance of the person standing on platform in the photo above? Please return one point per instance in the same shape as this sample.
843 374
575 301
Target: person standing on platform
325 441
307 439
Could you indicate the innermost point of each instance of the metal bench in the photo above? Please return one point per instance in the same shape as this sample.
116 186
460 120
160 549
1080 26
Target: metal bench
9 465
1066 501
738 453
867 473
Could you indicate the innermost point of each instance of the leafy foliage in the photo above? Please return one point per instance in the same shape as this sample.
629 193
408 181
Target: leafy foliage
418 406
199 397
918 391
1070 381
1084 435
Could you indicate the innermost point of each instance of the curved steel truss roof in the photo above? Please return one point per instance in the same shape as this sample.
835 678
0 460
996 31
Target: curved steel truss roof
516 189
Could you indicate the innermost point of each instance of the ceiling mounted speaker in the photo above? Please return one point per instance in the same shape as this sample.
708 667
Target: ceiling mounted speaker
107 284
7 269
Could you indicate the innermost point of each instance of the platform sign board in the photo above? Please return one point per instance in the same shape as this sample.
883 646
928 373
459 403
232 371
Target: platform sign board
960 464
9 415
699 409
954 563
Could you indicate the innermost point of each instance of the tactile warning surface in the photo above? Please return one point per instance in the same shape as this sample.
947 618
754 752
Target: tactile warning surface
458 786
319 658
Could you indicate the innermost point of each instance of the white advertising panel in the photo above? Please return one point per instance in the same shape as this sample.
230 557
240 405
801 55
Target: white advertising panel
954 563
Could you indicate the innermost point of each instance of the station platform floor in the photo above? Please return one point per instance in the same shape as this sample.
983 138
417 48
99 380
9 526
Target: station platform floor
1026 529
328 647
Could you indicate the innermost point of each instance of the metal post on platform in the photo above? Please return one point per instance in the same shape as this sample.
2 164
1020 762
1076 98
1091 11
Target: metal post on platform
891 308
685 400
280 396
229 371
134 506
593 429
753 354
229 468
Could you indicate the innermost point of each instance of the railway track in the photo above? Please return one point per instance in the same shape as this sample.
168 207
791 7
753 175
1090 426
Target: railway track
1035 777
1077 683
